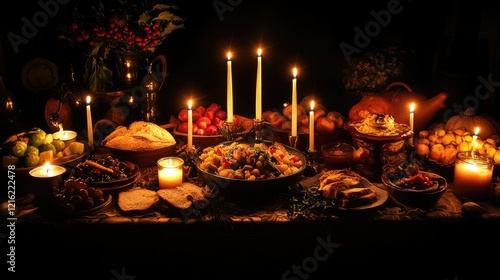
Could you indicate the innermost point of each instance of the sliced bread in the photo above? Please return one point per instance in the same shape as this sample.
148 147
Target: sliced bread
181 197
136 200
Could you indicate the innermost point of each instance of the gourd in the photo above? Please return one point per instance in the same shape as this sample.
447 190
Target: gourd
468 119
367 105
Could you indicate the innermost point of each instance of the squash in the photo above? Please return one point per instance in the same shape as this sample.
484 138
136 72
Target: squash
368 105
468 119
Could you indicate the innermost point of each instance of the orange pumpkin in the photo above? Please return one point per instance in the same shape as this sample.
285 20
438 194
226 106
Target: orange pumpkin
368 105
488 125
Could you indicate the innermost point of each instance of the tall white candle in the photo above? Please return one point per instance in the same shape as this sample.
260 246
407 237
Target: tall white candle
90 129
258 91
294 103
311 128
412 120
229 89
190 125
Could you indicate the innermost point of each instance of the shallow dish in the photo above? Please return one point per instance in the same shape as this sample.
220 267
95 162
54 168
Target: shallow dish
119 184
416 198
244 187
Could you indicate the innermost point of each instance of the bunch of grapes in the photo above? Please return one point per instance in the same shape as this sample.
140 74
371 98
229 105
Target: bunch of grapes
76 196
89 174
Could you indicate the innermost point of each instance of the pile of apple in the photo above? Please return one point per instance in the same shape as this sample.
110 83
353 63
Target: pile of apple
206 120
324 120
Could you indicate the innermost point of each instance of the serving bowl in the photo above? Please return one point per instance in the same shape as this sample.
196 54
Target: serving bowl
261 187
320 139
416 198
143 158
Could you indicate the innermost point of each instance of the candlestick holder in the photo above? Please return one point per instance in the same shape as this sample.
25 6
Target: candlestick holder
293 140
229 130
257 128
190 166
313 166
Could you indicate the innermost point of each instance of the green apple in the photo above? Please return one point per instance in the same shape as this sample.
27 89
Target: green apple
18 148
36 137
59 144
32 149
31 160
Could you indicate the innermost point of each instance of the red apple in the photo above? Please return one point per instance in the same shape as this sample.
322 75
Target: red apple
318 113
182 127
201 109
200 131
195 128
183 115
211 130
214 106
217 122
196 115
203 122
221 114
303 120
324 125
209 113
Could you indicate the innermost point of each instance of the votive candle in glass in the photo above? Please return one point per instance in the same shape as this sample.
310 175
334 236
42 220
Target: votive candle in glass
473 174
170 172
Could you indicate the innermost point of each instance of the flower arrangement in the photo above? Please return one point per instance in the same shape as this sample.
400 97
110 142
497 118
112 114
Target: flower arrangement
374 70
122 25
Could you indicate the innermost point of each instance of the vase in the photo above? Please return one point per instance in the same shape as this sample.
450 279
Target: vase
128 64
152 83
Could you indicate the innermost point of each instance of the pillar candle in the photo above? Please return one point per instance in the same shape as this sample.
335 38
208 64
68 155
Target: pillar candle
90 129
311 128
294 103
258 91
190 125
170 172
412 120
229 89
472 177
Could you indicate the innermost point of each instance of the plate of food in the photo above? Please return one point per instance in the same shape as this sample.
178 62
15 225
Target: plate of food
245 168
107 173
348 190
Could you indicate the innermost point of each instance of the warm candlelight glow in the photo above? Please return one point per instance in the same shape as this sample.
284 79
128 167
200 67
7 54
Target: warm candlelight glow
258 91
474 140
412 120
190 125
47 171
311 128
473 175
294 103
170 173
229 89
90 129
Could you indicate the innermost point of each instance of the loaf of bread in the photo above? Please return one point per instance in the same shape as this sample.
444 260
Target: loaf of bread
180 197
137 200
139 136
345 188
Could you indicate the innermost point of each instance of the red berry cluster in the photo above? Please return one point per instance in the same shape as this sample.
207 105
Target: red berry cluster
146 36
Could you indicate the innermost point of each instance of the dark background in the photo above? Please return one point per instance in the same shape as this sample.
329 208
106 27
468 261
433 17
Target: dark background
449 44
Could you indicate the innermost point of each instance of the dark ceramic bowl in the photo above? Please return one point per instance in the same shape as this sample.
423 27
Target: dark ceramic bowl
424 199
242 187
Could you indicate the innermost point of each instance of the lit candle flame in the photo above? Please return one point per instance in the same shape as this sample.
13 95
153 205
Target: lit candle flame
412 107
312 105
294 73
47 165
229 56
88 99
190 104
476 132
259 52
60 127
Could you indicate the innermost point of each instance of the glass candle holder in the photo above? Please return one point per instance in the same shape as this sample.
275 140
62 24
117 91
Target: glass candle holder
473 174
67 136
170 172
